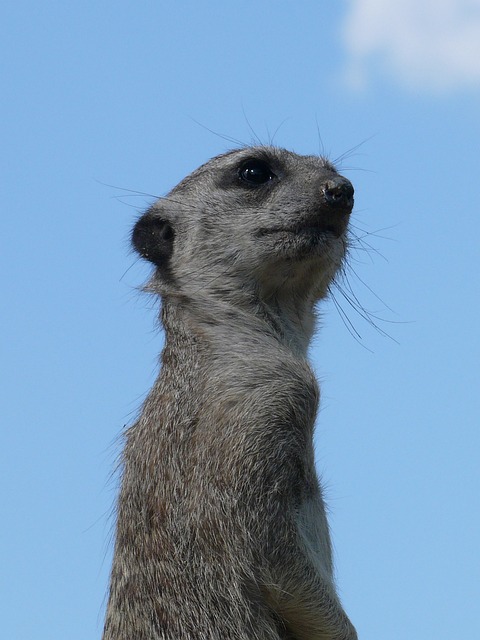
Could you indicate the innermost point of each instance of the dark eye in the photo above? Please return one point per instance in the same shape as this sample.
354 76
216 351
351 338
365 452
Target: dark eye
256 172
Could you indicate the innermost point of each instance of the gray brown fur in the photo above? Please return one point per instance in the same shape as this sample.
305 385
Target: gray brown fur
221 526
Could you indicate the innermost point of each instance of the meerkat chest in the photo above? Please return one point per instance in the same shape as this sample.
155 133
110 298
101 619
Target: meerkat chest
313 530
262 401
252 373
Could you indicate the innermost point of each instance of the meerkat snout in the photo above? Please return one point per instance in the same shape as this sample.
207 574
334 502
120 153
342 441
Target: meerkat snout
336 205
339 192
153 238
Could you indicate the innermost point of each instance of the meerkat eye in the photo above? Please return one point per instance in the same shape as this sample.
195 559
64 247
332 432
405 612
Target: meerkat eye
256 172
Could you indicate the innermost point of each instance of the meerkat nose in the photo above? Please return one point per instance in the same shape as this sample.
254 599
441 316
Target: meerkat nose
338 192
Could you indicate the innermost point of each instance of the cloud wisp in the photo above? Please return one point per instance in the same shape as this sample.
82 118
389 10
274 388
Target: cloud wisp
429 45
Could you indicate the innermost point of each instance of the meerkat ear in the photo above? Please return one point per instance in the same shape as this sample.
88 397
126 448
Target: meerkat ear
153 238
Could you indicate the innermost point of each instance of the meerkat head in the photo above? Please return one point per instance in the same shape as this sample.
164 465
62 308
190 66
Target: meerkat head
257 219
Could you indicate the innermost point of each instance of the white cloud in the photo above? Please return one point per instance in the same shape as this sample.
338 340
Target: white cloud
426 44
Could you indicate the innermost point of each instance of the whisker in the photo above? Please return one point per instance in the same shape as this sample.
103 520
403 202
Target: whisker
277 130
239 143
134 191
256 138
349 152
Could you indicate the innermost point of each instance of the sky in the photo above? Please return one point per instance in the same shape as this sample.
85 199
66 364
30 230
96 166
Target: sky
106 106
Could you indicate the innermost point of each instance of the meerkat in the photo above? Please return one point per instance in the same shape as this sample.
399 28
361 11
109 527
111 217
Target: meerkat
221 526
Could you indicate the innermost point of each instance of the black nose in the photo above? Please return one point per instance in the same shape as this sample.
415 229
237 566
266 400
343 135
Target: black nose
338 192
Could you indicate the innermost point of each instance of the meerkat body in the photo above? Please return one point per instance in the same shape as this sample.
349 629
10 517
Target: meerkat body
221 526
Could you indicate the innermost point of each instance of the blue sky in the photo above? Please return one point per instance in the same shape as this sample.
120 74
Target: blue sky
124 94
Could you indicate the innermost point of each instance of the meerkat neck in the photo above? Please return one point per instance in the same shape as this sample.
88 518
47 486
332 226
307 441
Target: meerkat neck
254 321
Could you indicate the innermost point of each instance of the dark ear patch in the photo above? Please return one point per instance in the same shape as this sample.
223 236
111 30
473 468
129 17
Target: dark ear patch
153 238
